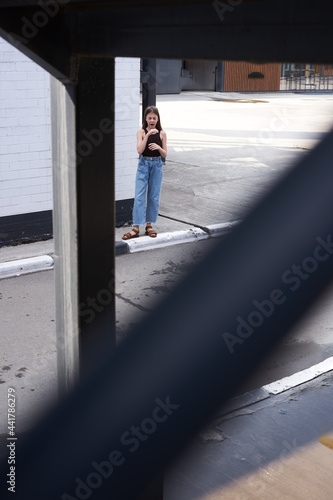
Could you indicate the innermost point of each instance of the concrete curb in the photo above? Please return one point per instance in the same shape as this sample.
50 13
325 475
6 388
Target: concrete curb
174 238
216 230
45 262
26 266
166 239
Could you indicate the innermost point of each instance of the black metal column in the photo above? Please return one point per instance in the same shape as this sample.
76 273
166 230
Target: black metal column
148 79
96 208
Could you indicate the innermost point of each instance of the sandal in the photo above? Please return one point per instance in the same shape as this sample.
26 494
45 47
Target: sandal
129 236
152 233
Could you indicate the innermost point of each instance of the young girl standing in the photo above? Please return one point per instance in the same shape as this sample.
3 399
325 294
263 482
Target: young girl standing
151 146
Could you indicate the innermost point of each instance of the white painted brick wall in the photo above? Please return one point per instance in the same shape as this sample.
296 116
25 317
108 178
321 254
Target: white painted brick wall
25 132
127 96
25 149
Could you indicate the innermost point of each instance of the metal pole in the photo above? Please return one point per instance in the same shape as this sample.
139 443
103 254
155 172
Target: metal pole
220 76
149 83
65 233
96 208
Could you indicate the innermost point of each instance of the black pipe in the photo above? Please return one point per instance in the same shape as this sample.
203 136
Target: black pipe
149 84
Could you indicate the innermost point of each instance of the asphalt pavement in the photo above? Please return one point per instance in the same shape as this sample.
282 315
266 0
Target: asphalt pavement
225 151
271 448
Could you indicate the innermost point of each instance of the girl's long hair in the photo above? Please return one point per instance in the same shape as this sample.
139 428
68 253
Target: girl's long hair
152 109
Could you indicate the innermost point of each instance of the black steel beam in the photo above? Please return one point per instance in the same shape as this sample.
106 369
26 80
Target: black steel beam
281 30
112 4
148 84
95 108
43 38
274 30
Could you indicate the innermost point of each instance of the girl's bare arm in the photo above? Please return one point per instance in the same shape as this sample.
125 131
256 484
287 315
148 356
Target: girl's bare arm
142 139
163 149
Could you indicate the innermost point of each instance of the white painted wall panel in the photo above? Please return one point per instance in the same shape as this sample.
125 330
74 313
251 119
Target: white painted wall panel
25 132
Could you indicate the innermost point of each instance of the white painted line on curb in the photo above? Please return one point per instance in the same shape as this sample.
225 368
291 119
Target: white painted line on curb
300 377
25 266
166 239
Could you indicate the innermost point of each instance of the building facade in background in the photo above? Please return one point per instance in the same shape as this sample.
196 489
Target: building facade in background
26 199
220 76
176 75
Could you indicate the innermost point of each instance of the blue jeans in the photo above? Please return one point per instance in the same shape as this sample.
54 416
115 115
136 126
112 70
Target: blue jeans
148 184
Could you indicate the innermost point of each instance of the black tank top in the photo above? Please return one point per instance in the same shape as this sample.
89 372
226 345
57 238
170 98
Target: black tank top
153 138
